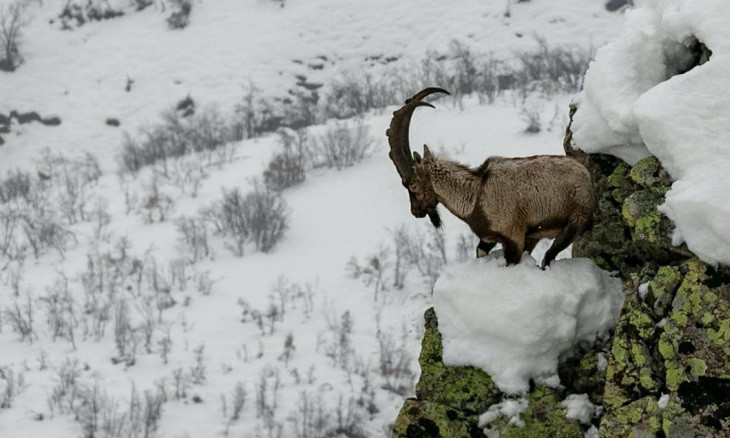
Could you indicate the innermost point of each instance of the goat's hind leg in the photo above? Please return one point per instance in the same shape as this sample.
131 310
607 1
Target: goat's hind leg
564 238
483 248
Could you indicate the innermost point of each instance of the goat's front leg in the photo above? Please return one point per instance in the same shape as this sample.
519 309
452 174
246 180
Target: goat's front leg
484 248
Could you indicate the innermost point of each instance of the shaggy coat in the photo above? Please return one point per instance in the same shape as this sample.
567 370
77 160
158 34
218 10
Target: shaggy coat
512 201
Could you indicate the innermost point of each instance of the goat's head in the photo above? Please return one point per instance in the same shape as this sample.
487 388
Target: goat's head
412 168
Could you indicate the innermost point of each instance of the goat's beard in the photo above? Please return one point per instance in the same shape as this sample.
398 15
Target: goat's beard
435 218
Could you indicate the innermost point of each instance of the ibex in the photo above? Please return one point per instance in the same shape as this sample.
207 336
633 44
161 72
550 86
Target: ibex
512 201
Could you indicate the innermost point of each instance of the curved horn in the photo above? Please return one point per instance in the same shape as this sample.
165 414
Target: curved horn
397 133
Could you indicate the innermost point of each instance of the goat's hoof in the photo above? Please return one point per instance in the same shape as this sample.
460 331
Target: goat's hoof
481 253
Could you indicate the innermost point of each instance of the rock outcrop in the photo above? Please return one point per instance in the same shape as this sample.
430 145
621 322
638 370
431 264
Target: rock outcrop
667 372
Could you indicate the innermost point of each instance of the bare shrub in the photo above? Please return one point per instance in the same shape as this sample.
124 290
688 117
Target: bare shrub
288 168
175 136
98 413
314 419
13 20
354 93
198 370
255 115
179 18
193 238
259 218
395 362
339 348
531 114
69 179
17 184
157 205
551 69
374 271
341 146
11 385
61 312
79 12
20 317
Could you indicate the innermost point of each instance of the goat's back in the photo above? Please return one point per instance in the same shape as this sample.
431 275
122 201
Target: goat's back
537 190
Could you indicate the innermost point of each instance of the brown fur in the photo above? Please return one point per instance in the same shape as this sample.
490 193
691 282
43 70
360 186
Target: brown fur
513 201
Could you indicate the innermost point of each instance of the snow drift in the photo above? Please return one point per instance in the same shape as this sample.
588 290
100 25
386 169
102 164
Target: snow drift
514 322
640 98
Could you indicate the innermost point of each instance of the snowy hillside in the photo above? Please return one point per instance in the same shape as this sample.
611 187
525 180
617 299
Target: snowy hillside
139 299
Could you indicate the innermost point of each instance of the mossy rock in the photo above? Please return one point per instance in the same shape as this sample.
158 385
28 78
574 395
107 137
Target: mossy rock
638 419
696 338
544 417
633 369
467 389
583 374
427 419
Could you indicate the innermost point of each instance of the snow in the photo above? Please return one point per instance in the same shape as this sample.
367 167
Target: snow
579 407
663 401
511 408
643 289
636 103
514 322
80 77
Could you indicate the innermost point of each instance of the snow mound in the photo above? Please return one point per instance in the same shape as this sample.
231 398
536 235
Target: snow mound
514 322
579 407
638 100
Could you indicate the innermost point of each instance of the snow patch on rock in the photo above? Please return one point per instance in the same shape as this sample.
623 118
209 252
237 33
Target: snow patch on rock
639 101
515 322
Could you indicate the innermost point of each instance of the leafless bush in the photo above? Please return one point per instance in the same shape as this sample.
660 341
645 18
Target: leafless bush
339 347
179 18
125 336
255 115
465 248
267 395
187 173
17 184
70 179
531 114
259 218
314 419
79 12
356 92
341 146
156 205
238 401
20 317
11 385
288 168
193 238
13 20
395 362
101 415
175 136
198 370
61 312
551 69
374 271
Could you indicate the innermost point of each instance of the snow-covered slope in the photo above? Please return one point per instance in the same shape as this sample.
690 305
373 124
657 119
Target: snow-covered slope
346 349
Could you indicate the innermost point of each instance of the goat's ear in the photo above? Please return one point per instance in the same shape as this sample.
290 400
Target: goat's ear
426 152
417 157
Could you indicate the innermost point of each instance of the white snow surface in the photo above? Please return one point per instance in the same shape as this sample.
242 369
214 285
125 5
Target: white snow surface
80 76
514 322
579 407
635 104
511 408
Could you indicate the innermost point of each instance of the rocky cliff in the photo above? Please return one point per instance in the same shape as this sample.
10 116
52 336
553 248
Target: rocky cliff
668 373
